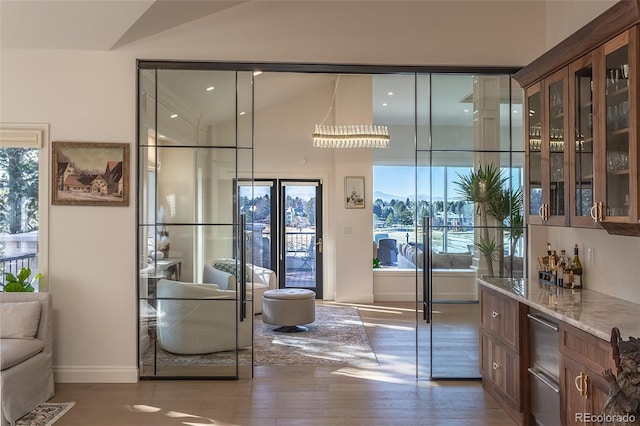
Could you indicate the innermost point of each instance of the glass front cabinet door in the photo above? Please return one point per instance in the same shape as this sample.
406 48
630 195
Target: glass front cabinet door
617 198
533 122
582 147
548 156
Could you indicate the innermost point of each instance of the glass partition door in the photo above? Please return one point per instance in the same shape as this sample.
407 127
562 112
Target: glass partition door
195 143
457 244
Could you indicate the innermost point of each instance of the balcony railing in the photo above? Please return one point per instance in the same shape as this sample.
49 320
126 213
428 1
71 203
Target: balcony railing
13 264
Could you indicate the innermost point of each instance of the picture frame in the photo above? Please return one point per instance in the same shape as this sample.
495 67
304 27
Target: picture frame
90 174
354 192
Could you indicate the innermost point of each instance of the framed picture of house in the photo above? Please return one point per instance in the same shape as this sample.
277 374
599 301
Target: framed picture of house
90 174
354 192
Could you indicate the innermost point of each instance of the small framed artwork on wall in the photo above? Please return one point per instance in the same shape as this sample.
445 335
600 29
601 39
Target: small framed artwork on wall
354 192
90 174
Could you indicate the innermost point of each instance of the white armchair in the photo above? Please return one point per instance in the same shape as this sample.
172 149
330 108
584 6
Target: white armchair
26 350
203 323
259 279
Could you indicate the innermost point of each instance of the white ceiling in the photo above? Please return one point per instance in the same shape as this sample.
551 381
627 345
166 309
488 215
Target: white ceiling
111 24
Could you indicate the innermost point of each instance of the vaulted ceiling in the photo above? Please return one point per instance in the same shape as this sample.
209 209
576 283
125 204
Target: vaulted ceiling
95 24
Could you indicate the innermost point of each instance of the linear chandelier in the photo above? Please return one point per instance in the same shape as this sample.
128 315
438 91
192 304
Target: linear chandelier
360 136
353 136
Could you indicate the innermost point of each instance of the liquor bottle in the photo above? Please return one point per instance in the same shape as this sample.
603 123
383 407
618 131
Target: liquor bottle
553 261
568 275
561 267
576 266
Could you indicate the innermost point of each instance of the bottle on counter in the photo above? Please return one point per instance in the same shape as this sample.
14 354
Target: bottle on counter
576 266
553 261
562 264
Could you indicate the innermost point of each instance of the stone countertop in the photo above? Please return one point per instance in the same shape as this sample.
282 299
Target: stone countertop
591 311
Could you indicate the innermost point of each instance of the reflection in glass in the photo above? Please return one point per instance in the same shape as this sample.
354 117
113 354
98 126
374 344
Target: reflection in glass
617 122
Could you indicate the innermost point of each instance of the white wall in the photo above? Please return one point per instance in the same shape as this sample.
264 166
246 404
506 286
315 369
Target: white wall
91 96
564 17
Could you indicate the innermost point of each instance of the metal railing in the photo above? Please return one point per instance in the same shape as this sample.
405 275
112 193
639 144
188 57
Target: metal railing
13 264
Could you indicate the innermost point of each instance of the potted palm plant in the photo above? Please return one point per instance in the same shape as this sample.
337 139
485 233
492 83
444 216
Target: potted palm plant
481 187
485 188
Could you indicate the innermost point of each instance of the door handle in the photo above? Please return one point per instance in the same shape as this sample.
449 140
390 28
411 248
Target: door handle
594 212
319 245
582 383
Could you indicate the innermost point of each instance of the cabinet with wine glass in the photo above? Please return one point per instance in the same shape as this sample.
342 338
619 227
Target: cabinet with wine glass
583 110
547 156
604 176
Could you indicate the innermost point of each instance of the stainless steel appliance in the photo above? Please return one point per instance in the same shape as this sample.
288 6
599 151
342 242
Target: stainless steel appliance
544 369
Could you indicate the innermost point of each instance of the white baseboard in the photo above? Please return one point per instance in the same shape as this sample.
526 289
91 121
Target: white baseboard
95 374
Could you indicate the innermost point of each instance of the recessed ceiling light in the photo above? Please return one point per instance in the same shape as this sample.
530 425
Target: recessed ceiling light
210 88
390 93
257 73
173 115
242 113
384 104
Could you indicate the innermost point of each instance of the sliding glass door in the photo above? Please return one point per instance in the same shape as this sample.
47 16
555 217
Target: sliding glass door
453 150
195 143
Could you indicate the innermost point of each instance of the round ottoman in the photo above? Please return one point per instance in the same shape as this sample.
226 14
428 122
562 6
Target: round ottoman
288 308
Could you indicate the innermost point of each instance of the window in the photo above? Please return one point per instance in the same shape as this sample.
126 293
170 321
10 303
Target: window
459 123
23 199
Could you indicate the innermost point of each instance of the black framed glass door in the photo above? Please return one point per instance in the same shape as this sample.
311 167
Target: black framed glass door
195 316
301 235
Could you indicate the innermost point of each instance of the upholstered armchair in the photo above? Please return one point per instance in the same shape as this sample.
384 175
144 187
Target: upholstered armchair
26 350
223 273
199 319
388 251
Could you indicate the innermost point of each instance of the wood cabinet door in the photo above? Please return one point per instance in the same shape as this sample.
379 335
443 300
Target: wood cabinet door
573 402
500 315
585 77
555 150
579 406
617 157
534 105
501 366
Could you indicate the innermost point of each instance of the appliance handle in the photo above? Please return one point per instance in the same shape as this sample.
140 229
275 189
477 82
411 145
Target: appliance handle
544 380
543 322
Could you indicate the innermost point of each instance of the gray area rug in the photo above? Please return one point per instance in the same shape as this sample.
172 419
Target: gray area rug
45 414
337 337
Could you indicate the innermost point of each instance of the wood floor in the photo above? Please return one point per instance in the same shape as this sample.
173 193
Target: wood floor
388 394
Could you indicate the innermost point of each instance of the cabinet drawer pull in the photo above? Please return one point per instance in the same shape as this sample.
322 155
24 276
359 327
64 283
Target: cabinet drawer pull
581 382
593 213
540 211
495 314
495 365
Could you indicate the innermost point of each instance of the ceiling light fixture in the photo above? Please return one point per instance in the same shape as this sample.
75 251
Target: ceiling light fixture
173 116
210 88
354 136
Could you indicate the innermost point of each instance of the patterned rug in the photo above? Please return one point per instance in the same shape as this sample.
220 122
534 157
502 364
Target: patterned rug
45 414
337 337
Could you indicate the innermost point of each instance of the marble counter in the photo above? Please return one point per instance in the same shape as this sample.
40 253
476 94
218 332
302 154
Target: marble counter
593 312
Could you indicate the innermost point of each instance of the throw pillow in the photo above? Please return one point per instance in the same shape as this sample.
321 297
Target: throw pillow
19 320
231 268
